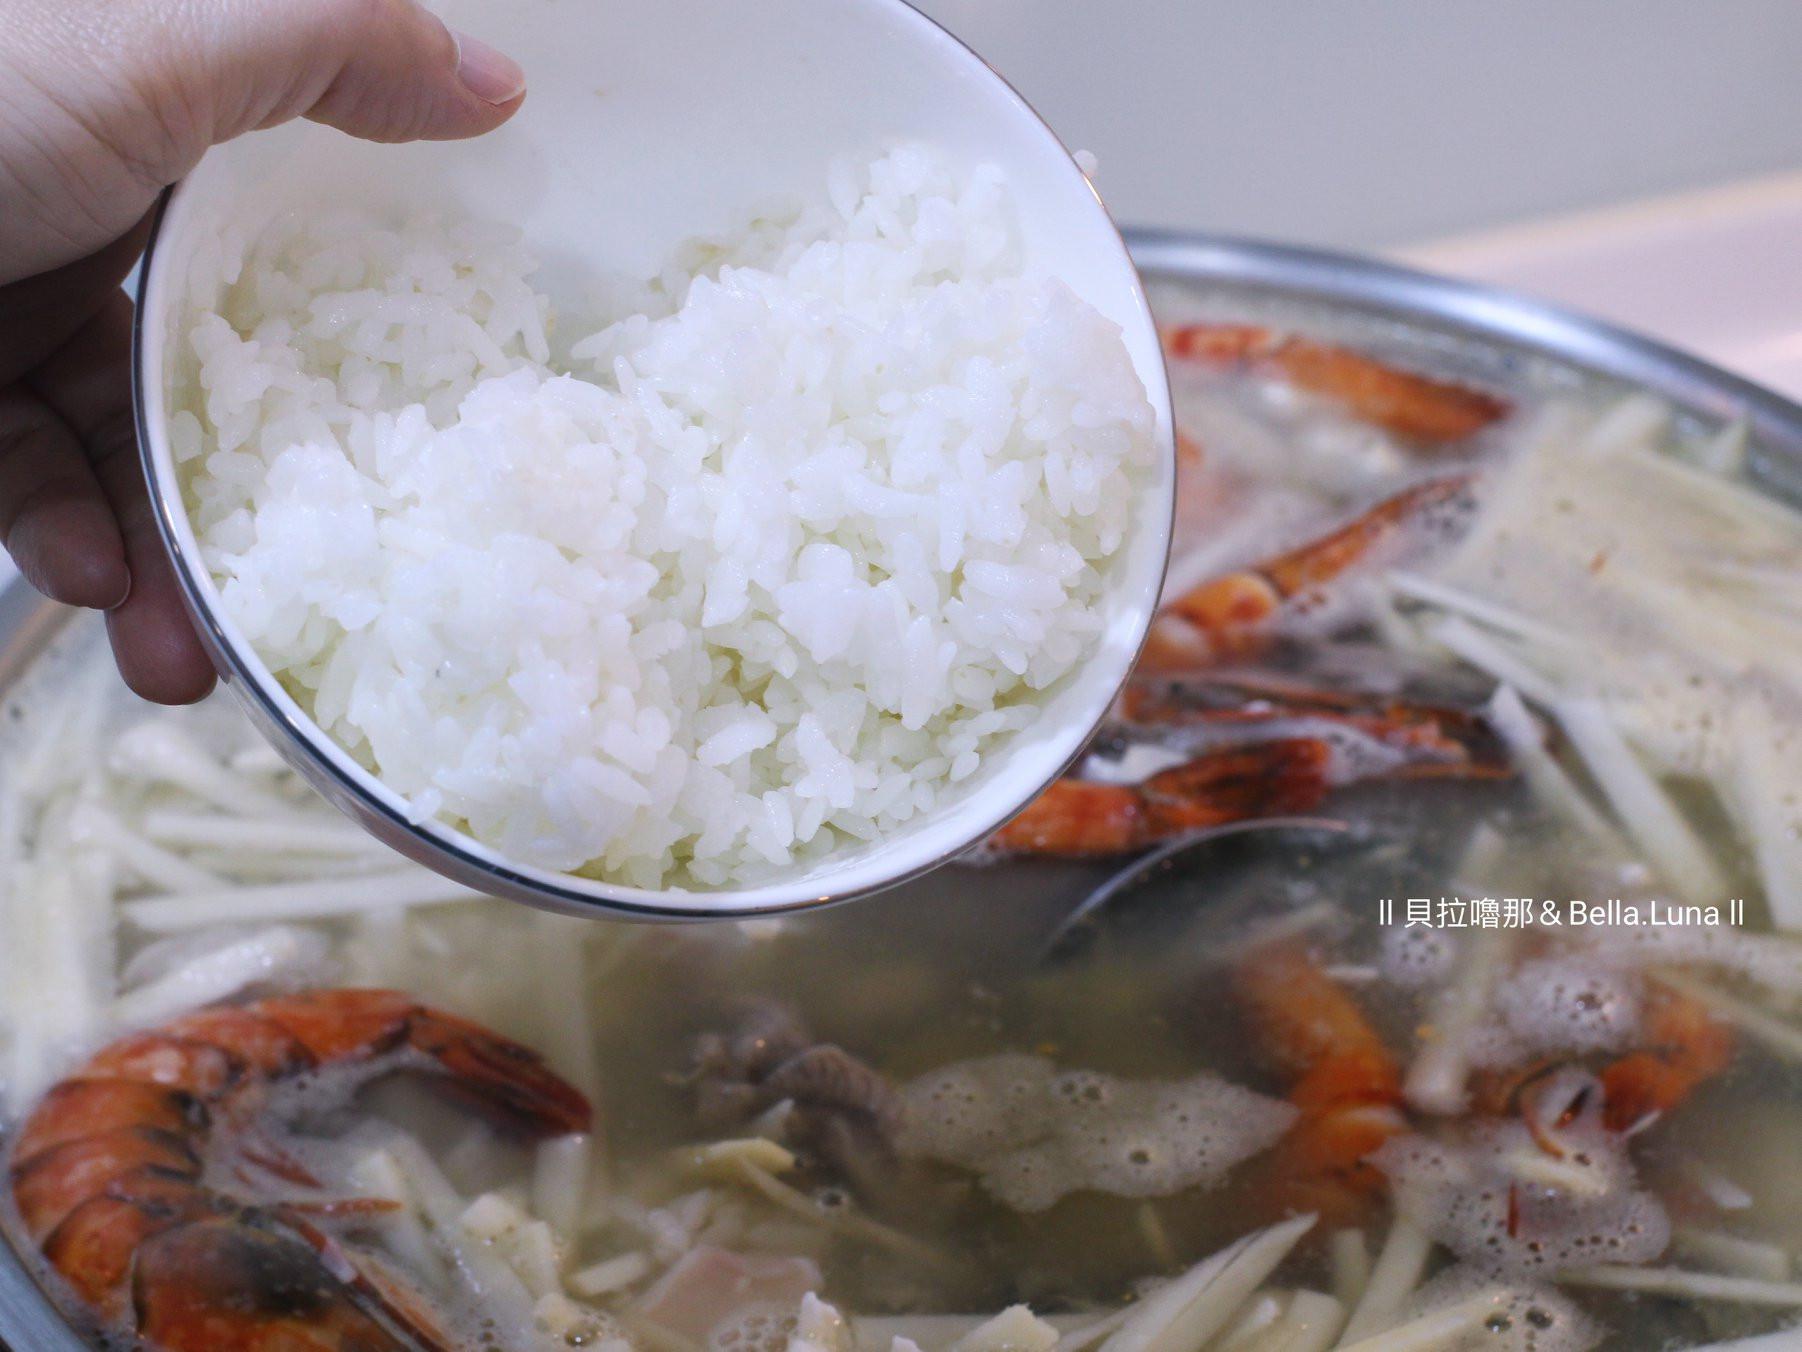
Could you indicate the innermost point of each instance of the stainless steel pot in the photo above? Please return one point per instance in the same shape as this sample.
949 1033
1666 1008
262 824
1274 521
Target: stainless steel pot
1490 328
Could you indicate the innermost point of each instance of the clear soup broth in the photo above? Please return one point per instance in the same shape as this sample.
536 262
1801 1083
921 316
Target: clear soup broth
1496 1049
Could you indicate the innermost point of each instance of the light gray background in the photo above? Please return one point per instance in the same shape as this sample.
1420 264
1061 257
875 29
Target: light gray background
1379 122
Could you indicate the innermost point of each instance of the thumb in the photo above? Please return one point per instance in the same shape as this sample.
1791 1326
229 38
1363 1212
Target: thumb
110 101
384 70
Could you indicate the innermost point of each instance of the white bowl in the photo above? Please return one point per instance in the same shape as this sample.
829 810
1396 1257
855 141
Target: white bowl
649 121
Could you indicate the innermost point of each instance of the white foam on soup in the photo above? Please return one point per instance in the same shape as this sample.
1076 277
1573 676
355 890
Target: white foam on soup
1504 1204
1034 1133
1528 1318
1416 955
1566 1004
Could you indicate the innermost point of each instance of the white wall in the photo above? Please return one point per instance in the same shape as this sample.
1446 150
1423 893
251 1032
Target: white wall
1374 122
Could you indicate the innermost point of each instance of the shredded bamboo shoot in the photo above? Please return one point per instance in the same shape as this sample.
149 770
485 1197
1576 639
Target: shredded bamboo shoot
1525 740
1438 1330
1780 1340
308 833
1436 1081
1349 1254
1732 1254
1397 1271
1688 1285
1493 658
1651 819
1184 1313
1310 1324
295 901
1778 1035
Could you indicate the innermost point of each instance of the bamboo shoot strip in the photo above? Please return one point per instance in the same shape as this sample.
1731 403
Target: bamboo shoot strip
1436 1081
560 1169
1685 1284
488 1278
1733 499
301 832
561 986
1525 740
295 901
1350 1257
1253 1320
1397 1271
1090 1333
151 862
1650 817
844 1222
1310 1324
1187 1311
1778 1340
161 754
378 1174
1731 1254
1779 1036
1439 1330
935 1332
213 976
1492 657
610 1275
1628 424
1445 597
1769 821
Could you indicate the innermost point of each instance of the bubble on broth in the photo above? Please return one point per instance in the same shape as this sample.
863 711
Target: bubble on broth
1528 1318
575 1325
764 1327
1034 1134
1504 1204
1565 1004
1415 956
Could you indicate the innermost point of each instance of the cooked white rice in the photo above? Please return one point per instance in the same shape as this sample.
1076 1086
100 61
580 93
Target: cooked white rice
752 573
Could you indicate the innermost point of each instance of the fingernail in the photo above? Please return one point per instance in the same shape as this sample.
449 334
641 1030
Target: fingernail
125 595
491 76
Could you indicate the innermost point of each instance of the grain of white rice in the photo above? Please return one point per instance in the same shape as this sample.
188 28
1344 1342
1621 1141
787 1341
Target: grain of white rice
753 572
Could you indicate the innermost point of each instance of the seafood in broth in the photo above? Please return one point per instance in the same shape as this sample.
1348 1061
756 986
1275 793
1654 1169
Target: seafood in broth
1517 1069
109 1171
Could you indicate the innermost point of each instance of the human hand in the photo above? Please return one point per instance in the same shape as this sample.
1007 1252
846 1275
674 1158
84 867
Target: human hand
103 103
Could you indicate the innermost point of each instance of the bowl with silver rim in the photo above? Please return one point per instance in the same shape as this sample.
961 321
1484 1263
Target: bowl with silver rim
647 102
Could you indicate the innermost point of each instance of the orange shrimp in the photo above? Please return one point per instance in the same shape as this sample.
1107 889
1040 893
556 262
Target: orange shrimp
109 1171
1082 819
1435 739
1433 412
1685 1046
1347 1085
1231 614
1252 771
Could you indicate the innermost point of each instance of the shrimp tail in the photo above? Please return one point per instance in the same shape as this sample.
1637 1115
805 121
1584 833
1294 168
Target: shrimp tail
491 1073
1686 1046
109 1171
1431 413
1346 1085
1433 740
1082 819
1231 614
217 1284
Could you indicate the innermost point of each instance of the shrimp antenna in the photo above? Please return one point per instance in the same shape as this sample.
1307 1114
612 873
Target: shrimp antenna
1195 854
